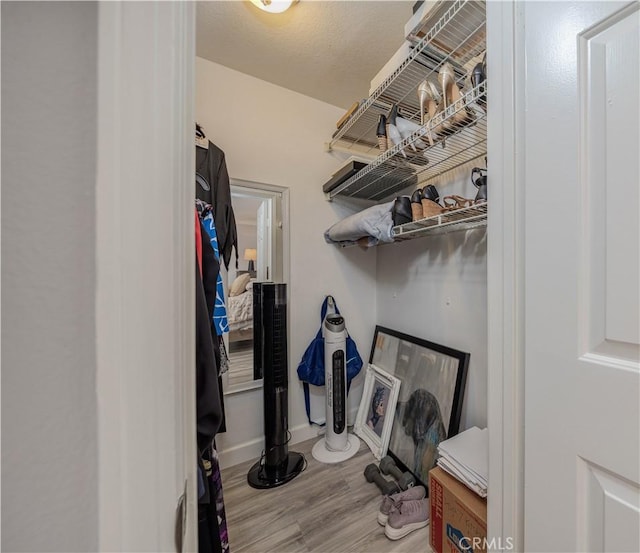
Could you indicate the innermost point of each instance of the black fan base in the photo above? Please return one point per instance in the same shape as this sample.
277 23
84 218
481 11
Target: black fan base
261 477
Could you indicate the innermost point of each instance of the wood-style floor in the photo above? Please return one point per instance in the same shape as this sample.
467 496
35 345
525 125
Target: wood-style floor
326 509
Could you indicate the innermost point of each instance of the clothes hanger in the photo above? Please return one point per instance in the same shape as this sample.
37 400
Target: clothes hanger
201 138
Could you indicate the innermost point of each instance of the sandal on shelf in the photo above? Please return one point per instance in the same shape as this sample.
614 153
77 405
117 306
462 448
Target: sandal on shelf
453 202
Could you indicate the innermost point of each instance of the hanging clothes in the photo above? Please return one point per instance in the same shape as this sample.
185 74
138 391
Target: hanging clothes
220 321
212 520
198 241
210 273
208 404
212 530
212 187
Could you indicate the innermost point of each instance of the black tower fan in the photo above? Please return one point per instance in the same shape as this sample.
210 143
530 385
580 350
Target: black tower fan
277 466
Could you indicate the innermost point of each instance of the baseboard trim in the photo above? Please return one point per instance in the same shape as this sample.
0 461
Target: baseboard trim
252 449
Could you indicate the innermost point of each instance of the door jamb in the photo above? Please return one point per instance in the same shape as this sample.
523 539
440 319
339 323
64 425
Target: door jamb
506 275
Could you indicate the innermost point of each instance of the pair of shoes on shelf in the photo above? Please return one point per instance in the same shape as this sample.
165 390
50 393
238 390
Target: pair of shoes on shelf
404 512
425 203
434 102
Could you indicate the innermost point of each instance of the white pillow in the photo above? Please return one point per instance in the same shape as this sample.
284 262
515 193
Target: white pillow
239 284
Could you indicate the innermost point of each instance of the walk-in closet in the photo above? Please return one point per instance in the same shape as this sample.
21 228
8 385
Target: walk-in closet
411 286
317 276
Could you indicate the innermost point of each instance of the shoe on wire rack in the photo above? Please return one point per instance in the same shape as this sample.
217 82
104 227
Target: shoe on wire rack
410 516
401 211
392 502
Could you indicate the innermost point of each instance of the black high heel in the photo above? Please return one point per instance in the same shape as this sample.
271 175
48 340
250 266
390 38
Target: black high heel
401 211
479 180
478 76
381 133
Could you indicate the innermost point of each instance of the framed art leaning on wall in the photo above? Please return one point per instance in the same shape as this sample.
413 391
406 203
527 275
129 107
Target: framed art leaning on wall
377 409
429 404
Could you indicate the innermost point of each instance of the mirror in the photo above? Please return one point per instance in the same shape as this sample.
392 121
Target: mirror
259 214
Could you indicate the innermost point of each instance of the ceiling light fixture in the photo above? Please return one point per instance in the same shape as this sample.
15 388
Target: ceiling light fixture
274 6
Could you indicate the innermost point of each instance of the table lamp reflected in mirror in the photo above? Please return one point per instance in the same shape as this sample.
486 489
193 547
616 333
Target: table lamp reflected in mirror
250 255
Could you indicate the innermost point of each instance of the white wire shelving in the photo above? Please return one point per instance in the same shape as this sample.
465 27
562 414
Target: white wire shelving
465 218
458 134
457 37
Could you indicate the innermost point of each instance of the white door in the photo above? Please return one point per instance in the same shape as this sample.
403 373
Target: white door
582 278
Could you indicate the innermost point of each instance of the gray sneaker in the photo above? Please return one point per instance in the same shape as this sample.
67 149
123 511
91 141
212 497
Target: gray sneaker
392 502
410 516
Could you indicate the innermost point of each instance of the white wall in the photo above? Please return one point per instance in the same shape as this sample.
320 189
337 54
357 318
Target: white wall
49 416
273 135
435 288
247 238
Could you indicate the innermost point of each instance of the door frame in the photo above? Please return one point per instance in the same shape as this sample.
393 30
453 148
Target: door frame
505 266
506 273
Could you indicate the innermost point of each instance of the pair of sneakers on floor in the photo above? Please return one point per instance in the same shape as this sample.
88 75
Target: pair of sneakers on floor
404 512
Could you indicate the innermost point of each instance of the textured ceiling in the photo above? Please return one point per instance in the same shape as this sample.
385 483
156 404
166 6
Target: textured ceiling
329 50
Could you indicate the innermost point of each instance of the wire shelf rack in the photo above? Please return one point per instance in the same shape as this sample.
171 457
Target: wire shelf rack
465 218
459 135
457 37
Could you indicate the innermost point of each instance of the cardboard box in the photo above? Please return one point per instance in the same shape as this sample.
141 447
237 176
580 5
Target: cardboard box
458 516
414 28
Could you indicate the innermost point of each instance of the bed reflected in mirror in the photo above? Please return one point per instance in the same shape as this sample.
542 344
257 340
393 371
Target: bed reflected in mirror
258 211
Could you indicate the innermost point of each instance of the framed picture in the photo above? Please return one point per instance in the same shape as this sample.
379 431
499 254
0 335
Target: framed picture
430 400
377 409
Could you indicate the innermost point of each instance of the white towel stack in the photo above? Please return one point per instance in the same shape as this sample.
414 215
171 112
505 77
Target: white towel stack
466 457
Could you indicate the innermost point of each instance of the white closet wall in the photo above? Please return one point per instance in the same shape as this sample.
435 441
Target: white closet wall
436 288
49 412
273 135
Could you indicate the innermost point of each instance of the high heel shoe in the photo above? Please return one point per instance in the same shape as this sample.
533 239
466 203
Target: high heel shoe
430 199
478 76
401 211
416 205
381 133
393 133
450 95
429 97
424 94
407 128
447 80
434 107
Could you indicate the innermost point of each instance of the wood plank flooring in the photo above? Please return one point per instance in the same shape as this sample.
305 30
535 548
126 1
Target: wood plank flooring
326 509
